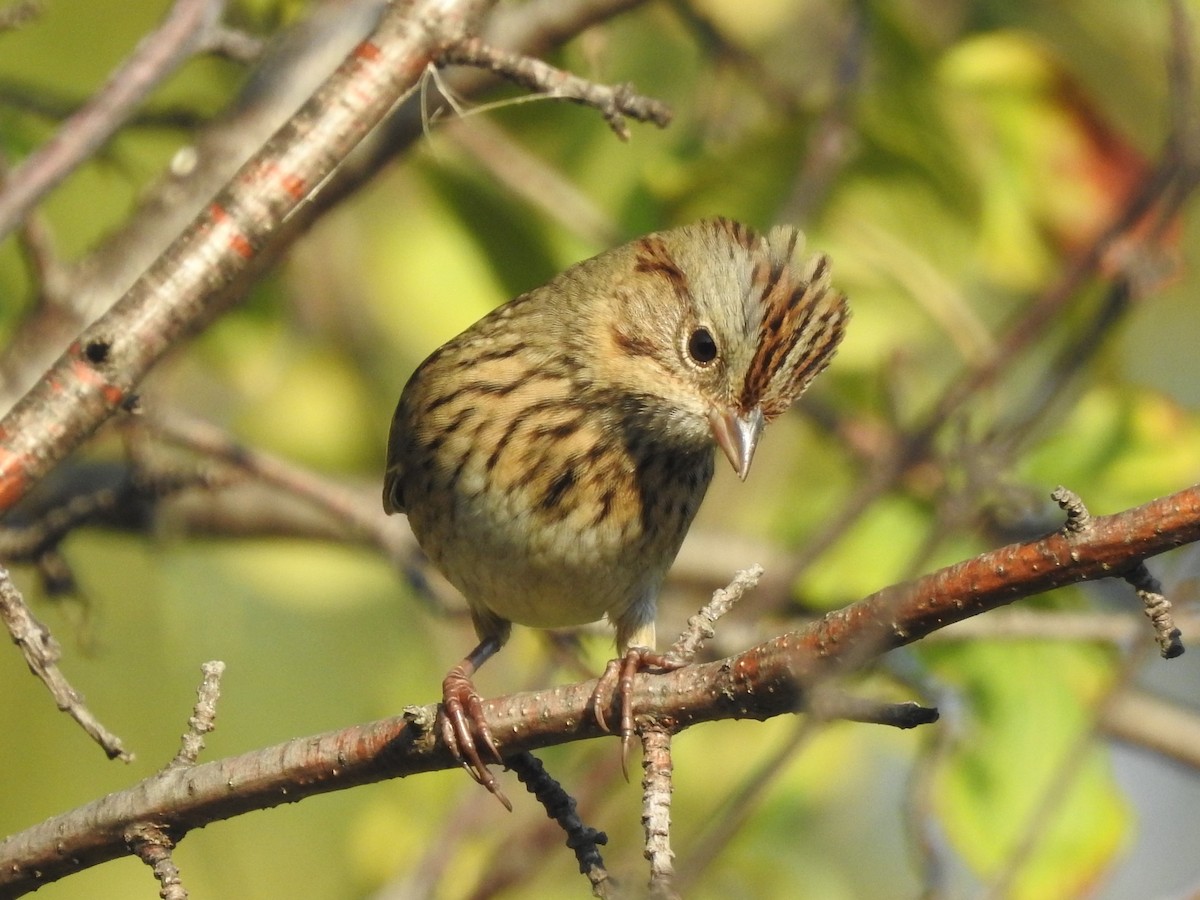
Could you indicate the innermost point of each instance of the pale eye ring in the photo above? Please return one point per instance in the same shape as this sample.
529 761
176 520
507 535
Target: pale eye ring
702 346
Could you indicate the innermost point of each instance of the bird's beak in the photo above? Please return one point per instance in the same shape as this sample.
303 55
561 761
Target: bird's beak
737 435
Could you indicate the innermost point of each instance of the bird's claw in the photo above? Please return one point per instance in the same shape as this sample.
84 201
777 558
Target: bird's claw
617 683
464 730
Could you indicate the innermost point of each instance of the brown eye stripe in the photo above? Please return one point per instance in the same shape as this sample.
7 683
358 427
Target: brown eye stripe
629 344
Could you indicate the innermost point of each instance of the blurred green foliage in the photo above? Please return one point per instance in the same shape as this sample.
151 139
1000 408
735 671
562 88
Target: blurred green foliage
980 146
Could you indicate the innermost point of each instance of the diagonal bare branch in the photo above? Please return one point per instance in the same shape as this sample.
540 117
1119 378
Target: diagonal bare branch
200 273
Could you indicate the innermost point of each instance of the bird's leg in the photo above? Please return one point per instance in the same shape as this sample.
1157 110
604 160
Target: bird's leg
463 725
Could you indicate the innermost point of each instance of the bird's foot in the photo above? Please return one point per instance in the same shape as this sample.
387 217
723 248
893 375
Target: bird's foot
617 683
465 730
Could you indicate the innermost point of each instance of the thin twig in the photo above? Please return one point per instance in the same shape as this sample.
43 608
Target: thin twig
827 705
832 135
1157 607
656 809
203 718
232 44
41 652
702 626
1080 626
156 56
151 845
1141 719
534 180
333 499
356 516
207 266
583 840
614 102
113 495
1158 610
36 243
760 76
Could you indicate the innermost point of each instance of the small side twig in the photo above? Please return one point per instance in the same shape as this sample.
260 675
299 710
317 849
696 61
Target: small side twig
656 738
1079 519
614 102
36 243
827 705
335 500
41 652
583 840
149 841
656 810
1158 610
151 845
203 718
106 494
1156 606
701 626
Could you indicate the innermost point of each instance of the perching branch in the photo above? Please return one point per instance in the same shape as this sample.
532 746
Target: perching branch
773 678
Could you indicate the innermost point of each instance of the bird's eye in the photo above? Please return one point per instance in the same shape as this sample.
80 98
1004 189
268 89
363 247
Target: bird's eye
702 348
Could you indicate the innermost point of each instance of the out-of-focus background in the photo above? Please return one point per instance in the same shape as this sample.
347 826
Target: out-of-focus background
957 160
